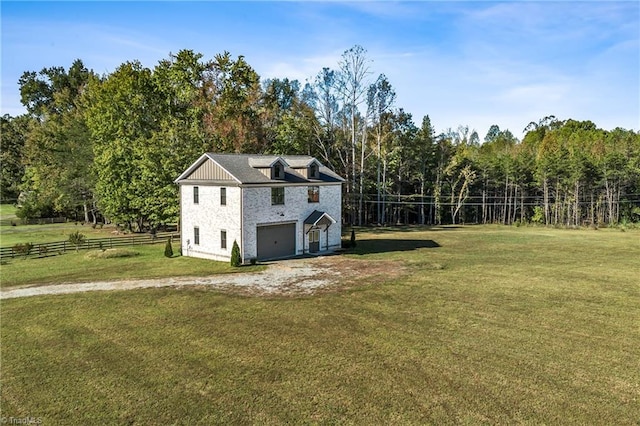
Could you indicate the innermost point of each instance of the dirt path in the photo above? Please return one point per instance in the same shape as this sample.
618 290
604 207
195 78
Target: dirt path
295 276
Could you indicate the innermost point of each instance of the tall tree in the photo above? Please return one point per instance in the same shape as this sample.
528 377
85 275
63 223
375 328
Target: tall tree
286 119
354 72
148 126
122 116
424 156
58 147
234 122
380 99
402 160
322 97
14 133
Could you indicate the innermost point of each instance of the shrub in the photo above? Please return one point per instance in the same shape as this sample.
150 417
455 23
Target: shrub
168 249
538 215
23 249
236 260
76 238
353 237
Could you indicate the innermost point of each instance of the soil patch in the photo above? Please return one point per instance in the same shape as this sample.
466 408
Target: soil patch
282 278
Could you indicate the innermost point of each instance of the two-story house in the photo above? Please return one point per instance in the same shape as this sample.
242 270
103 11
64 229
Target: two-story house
273 206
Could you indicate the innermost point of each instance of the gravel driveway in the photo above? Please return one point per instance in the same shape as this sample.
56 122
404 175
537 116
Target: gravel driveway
293 276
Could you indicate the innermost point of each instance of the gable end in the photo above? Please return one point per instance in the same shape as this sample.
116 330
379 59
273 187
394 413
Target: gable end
209 170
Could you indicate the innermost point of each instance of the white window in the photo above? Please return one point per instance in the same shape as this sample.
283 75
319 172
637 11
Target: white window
223 196
196 195
278 171
277 196
223 240
313 194
313 172
196 235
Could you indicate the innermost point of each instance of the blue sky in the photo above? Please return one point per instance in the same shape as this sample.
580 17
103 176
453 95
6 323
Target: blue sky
463 63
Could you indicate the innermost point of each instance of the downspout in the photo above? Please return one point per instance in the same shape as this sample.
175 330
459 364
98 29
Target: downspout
180 217
326 231
241 224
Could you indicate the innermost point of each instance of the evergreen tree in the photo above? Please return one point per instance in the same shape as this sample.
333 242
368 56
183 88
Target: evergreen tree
168 249
236 260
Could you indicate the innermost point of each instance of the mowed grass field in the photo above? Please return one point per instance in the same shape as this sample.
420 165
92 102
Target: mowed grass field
148 261
20 234
489 324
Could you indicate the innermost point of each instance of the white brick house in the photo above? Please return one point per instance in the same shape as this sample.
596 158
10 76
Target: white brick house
273 206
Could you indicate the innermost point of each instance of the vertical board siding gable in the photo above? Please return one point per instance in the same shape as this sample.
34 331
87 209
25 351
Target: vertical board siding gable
303 171
209 170
266 171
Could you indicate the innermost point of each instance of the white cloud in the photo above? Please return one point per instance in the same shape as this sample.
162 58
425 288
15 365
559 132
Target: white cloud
476 63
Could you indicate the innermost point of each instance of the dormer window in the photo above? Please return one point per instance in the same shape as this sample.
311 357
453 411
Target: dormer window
277 171
313 172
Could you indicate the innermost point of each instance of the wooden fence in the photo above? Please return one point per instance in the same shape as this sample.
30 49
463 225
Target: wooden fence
61 247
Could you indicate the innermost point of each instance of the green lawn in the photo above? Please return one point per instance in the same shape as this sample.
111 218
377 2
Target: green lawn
11 235
149 262
7 211
487 325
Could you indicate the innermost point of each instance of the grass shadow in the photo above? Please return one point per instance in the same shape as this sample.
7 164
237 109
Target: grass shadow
381 245
402 228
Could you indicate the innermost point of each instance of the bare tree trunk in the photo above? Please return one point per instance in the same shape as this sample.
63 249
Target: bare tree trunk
378 205
484 201
399 209
576 208
522 215
505 212
353 161
361 188
609 198
422 209
617 203
436 199
545 201
86 211
384 190
557 204
514 203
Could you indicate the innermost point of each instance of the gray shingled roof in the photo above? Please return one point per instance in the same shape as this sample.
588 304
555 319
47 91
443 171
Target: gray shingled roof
244 168
316 216
300 161
263 160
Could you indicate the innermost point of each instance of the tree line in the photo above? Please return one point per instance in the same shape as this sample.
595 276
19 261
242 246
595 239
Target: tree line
108 147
